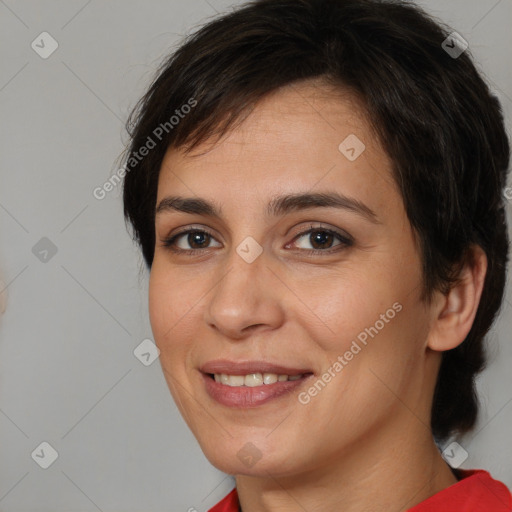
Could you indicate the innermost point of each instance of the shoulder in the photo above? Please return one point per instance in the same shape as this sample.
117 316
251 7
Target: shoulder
228 504
476 491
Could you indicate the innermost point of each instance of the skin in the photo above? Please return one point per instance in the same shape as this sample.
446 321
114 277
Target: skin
368 428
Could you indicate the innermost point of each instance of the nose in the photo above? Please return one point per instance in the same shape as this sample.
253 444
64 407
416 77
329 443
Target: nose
247 297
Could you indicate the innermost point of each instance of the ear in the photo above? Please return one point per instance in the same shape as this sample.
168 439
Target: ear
455 312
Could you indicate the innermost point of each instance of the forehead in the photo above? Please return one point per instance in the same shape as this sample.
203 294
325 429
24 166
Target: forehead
300 138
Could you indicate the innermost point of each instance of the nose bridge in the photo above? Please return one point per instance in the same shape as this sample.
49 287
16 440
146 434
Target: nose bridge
245 265
242 296
246 256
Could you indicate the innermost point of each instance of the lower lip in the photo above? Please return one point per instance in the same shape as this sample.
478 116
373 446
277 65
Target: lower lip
245 396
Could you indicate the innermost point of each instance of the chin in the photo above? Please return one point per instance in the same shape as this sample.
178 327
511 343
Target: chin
244 457
234 466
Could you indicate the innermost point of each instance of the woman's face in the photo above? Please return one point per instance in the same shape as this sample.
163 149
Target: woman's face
326 293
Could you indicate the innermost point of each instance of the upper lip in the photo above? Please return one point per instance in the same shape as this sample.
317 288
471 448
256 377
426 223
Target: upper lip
247 367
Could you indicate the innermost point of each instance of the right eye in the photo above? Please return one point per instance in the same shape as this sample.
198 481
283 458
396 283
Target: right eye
194 237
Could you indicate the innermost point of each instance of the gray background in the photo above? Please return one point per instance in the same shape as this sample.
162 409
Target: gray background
68 373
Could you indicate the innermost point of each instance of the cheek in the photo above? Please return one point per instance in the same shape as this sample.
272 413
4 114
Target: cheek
341 304
158 304
169 298
174 302
366 316
166 313
166 307
368 361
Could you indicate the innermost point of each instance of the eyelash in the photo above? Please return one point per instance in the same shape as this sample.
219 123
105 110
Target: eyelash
170 242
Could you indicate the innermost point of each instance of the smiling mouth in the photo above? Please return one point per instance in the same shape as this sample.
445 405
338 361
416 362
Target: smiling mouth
251 390
254 379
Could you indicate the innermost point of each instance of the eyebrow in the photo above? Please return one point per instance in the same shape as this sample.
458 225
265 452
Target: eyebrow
278 206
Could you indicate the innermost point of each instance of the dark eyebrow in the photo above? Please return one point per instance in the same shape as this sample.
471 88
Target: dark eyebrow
277 206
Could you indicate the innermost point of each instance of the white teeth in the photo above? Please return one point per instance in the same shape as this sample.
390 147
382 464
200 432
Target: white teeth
253 379
236 380
269 378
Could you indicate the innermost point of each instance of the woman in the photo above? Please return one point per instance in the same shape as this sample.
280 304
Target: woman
317 190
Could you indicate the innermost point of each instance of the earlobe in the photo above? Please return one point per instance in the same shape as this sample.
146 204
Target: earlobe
457 310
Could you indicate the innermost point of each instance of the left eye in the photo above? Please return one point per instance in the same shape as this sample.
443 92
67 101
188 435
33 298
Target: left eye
319 237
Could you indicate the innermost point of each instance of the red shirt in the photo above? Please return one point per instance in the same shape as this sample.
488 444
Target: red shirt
477 491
